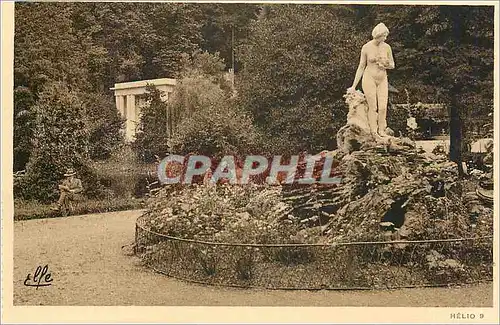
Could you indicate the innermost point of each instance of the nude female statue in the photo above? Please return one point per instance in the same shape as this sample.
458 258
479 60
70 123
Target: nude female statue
376 58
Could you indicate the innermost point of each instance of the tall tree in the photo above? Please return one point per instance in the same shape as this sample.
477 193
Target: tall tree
132 41
45 48
225 26
45 51
153 130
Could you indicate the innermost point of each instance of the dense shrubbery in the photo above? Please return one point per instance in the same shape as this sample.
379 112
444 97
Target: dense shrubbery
216 130
123 175
200 117
24 125
396 119
60 142
70 128
208 66
154 128
103 123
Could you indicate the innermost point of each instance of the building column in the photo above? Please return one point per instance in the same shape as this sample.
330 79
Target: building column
119 105
137 101
131 118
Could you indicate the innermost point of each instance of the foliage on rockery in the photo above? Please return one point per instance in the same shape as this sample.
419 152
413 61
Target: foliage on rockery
384 195
388 194
221 213
397 195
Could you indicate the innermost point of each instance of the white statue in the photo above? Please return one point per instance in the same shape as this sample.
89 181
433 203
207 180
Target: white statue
376 58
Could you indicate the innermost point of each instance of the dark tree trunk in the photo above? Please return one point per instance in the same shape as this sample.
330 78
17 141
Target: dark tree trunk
456 134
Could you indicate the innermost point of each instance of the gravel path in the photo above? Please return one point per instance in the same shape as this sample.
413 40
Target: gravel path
90 268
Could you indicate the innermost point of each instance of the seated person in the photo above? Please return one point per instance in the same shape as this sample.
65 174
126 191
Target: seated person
69 187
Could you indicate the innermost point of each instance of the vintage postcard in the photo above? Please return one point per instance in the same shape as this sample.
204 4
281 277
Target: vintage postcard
250 162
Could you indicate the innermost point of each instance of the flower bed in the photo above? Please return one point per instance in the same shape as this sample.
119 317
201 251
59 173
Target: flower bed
369 265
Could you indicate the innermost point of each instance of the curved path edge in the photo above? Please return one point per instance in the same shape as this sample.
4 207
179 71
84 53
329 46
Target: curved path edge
91 265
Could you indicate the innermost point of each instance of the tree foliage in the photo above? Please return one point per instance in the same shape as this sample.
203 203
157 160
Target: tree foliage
153 129
24 118
298 61
90 46
444 54
226 26
199 116
60 142
294 63
215 129
103 123
46 47
296 67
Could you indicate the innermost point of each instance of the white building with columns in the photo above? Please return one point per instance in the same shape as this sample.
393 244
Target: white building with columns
129 97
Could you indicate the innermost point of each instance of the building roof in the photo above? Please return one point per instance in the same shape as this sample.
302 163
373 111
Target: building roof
144 83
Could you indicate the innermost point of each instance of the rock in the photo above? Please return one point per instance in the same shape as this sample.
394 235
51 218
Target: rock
403 232
485 195
352 138
171 219
129 249
389 131
243 216
387 224
476 173
167 211
451 263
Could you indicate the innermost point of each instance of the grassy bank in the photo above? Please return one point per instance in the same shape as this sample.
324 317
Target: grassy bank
26 210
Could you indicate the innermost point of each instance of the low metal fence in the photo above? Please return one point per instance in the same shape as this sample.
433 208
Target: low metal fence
359 265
